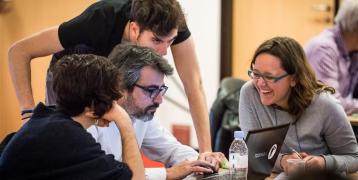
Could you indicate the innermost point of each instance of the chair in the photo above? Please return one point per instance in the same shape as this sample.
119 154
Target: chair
224 115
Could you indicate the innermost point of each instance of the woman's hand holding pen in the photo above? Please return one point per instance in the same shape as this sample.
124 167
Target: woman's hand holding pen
293 155
315 162
311 161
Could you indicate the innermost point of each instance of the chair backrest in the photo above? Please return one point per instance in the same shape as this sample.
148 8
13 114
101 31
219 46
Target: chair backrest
224 115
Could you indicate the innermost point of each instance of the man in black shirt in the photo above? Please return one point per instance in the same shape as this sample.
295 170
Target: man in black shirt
54 144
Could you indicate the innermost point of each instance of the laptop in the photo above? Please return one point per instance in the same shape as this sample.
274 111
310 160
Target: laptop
264 146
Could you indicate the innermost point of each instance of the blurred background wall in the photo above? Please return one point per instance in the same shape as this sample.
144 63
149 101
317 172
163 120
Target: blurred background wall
22 18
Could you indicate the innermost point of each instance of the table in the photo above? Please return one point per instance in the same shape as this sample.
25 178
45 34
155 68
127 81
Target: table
352 176
353 119
222 175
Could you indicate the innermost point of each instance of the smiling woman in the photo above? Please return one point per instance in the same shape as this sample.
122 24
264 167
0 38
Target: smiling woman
283 90
277 57
275 85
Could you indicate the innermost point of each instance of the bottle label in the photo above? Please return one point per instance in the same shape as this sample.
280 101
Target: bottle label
238 161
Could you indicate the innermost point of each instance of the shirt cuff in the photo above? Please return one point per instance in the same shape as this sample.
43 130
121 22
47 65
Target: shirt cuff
278 168
155 173
329 162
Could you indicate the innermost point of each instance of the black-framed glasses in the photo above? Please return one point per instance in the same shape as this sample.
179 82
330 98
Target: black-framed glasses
153 91
266 78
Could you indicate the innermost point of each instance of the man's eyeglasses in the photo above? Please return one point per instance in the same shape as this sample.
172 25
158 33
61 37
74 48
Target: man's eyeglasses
266 78
153 91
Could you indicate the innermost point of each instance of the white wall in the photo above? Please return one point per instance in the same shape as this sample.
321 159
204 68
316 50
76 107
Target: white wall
203 19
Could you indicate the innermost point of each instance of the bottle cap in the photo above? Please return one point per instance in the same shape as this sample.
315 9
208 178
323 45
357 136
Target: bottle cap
239 135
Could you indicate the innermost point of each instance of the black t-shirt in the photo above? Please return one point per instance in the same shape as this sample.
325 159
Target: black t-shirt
101 27
53 146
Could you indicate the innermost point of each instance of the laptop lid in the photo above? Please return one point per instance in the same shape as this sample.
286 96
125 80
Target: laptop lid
264 146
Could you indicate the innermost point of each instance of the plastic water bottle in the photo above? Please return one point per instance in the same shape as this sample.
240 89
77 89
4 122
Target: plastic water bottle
238 157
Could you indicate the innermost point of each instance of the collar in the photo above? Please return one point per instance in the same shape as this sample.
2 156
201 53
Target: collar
42 110
338 38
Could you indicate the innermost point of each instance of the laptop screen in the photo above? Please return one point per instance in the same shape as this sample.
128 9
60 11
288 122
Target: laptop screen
264 146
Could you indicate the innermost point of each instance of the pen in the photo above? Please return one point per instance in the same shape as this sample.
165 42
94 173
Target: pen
298 154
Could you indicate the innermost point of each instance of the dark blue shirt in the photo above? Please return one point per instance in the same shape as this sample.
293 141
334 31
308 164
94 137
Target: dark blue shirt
54 146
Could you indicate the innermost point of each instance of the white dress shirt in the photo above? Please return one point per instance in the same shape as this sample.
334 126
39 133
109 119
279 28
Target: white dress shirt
156 142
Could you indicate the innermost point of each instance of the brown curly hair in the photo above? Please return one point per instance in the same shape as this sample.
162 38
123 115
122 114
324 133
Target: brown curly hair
85 81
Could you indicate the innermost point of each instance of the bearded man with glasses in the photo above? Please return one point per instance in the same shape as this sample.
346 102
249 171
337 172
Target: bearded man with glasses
141 83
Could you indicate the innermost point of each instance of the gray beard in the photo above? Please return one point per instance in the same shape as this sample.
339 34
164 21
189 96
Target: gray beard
136 113
143 118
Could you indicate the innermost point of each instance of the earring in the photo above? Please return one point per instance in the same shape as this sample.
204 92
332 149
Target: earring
96 122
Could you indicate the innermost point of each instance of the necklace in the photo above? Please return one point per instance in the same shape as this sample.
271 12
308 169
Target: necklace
296 132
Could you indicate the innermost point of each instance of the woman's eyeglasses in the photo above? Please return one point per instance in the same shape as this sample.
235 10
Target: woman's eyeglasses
266 78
